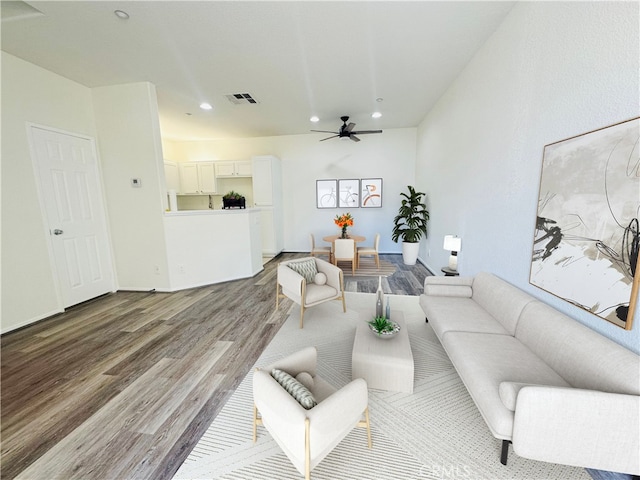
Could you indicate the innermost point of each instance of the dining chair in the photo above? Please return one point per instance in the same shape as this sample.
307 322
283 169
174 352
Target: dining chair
315 251
369 251
344 250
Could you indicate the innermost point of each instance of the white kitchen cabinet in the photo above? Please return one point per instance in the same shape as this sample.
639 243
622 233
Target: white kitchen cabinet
198 178
266 180
172 176
235 169
267 195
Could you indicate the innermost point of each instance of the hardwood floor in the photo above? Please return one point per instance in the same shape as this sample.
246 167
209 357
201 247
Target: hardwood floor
124 386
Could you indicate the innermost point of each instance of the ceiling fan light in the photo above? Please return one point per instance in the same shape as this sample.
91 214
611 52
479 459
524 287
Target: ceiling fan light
376 115
314 119
206 106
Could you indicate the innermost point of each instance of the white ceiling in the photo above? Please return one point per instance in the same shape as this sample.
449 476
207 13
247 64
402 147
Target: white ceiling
296 58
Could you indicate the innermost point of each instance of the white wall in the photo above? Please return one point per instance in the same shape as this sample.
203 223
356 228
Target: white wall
130 147
198 254
551 71
390 156
31 94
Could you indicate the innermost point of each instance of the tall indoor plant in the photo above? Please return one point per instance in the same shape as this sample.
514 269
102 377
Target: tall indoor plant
410 224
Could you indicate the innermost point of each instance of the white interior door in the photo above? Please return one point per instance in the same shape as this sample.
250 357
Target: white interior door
70 191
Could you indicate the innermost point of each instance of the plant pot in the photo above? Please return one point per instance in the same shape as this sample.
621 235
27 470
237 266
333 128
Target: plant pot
410 252
233 203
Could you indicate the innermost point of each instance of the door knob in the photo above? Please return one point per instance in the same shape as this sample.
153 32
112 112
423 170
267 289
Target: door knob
57 231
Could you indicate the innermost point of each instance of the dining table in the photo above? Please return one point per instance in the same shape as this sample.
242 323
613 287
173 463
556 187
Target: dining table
332 238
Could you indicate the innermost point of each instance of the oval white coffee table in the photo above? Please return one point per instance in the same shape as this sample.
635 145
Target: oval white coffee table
385 364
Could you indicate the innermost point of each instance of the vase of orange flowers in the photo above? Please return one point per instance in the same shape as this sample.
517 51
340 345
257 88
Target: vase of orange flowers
343 221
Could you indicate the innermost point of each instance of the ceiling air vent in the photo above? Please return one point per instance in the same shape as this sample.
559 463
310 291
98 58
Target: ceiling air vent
241 99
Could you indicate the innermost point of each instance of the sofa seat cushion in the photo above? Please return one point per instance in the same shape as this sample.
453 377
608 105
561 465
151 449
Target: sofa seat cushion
483 361
319 293
509 392
458 314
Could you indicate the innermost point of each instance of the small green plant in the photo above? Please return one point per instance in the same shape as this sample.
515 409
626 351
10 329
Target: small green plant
381 325
232 195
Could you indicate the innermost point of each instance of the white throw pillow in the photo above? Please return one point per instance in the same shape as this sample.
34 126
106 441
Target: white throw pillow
306 379
320 278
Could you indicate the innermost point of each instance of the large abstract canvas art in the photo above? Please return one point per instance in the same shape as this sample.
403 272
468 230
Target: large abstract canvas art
585 248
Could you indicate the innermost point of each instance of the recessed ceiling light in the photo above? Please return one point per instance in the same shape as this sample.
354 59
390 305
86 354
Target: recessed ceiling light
314 119
379 99
206 106
121 14
376 115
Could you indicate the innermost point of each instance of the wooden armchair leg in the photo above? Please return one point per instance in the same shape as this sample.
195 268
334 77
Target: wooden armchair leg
307 451
366 424
256 421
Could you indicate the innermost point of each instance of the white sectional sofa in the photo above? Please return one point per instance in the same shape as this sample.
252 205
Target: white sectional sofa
557 390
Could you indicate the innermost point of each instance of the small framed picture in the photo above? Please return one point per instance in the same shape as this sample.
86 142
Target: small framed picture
349 193
371 192
326 196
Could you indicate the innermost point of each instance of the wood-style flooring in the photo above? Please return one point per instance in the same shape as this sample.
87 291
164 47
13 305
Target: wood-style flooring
123 386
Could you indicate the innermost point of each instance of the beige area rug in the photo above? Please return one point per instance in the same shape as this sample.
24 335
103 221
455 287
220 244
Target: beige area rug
434 433
368 268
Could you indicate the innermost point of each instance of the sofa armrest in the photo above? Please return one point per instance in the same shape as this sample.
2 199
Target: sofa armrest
332 272
584 428
344 407
448 286
290 279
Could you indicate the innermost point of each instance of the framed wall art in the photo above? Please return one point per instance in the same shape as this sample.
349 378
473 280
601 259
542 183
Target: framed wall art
349 190
586 240
326 193
371 192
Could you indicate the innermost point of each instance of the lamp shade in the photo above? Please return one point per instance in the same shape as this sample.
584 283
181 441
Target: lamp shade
452 243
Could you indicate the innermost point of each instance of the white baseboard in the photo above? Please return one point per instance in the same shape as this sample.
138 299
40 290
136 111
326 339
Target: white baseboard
31 321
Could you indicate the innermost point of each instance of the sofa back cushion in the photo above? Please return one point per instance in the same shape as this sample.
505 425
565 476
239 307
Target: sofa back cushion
502 300
581 356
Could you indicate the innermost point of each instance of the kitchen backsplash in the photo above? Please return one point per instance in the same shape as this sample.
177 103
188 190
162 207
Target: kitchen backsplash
243 186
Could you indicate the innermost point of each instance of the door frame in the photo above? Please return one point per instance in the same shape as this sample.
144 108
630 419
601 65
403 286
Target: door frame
43 210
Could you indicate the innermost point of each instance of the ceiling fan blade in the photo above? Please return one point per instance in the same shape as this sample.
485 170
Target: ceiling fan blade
363 132
350 127
329 137
322 131
354 138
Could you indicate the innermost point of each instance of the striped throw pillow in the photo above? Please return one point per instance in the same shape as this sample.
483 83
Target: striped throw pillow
306 268
294 388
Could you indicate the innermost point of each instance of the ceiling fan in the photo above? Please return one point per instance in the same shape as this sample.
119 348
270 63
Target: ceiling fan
346 131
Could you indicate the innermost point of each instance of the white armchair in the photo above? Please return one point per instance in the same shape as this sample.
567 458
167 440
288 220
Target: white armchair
307 436
309 292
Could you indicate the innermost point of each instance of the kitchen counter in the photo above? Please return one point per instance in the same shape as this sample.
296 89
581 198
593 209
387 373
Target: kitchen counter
212 246
210 211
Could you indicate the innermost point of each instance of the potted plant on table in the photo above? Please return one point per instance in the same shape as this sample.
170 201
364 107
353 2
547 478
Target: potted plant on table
410 224
233 199
383 327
